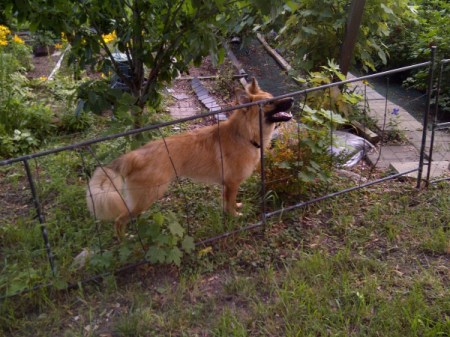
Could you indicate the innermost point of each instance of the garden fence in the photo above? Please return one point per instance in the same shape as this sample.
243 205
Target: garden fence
56 245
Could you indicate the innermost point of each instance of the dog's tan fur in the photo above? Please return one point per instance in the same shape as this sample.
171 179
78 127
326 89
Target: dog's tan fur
131 183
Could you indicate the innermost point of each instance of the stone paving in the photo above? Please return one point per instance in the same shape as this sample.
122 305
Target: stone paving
390 117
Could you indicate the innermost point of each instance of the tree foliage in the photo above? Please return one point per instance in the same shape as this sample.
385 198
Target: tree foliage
313 31
159 38
414 34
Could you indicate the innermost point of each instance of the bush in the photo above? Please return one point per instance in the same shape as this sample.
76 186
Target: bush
24 124
313 31
299 161
427 25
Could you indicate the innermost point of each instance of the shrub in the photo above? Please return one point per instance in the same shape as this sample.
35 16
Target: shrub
426 26
313 31
299 161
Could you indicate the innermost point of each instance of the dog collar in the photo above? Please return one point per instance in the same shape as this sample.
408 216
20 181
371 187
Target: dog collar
255 144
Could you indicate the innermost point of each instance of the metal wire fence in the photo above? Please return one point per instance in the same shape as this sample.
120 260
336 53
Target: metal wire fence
49 228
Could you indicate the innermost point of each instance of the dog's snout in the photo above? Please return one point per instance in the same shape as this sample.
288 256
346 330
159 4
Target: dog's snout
286 103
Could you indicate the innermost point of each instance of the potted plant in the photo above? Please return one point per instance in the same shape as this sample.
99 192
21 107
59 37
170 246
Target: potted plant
43 43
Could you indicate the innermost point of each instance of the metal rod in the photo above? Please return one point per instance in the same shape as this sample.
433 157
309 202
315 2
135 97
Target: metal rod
224 235
40 216
439 180
425 116
207 114
442 126
433 126
263 168
227 234
189 78
328 196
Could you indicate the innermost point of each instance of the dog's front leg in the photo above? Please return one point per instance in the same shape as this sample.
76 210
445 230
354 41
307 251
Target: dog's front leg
230 193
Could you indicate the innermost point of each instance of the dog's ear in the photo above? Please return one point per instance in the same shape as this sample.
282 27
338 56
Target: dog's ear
241 97
253 88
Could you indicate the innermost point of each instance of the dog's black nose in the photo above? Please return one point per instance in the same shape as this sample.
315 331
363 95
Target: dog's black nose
286 103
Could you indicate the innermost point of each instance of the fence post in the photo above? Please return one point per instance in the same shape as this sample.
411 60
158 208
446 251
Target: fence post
434 122
40 216
263 168
425 117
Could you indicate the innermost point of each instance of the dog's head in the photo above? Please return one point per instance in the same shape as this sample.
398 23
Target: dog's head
274 112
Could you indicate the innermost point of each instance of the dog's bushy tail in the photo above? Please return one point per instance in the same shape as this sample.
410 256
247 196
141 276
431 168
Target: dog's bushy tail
104 195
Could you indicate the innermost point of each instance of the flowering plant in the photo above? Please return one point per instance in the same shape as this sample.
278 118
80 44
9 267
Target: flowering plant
13 51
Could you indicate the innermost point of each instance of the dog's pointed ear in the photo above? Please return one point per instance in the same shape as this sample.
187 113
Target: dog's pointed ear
241 97
253 88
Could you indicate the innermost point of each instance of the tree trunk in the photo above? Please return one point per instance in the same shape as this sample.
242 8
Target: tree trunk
351 34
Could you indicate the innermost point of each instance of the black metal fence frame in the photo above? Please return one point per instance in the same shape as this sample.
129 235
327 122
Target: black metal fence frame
264 216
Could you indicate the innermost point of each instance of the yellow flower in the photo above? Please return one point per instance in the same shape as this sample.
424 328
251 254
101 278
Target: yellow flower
109 37
205 251
58 45
43 78
4 30
17 39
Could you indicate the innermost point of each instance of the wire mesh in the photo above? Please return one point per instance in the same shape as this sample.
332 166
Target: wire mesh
55 195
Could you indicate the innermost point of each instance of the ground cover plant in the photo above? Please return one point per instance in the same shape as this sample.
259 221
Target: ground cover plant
373 263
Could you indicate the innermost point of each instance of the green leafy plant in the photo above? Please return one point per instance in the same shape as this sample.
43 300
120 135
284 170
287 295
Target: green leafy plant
312 31
423 26
339 99
23 123
158 38
43 42
300 160
162 235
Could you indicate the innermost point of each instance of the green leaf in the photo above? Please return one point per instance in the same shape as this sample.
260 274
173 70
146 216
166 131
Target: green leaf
158 218
307 178
309 30
174 256
124 253
103 261
386 9
153 230
16 286
188 244
163 239
60 284
156 254
176 229
382 56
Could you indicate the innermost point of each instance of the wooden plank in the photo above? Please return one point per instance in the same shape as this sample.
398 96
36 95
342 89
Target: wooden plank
278 58
366 132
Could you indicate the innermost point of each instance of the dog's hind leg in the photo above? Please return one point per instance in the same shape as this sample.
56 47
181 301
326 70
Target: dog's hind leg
140 196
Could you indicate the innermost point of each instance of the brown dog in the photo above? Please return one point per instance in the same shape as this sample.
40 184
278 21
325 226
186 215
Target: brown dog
226 154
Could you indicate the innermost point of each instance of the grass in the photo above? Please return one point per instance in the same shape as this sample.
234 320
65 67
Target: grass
373 262
369 263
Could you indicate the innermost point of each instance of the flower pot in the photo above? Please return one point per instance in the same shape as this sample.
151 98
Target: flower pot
41 50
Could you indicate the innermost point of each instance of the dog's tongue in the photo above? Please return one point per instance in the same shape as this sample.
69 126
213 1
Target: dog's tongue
282 115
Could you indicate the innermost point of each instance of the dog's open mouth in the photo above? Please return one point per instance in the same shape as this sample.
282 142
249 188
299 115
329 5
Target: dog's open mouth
281 113
280 116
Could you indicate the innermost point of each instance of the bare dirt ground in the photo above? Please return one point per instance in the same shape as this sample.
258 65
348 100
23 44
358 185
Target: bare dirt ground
43 65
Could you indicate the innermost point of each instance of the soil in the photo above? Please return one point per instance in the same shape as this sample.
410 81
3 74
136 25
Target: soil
43 65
